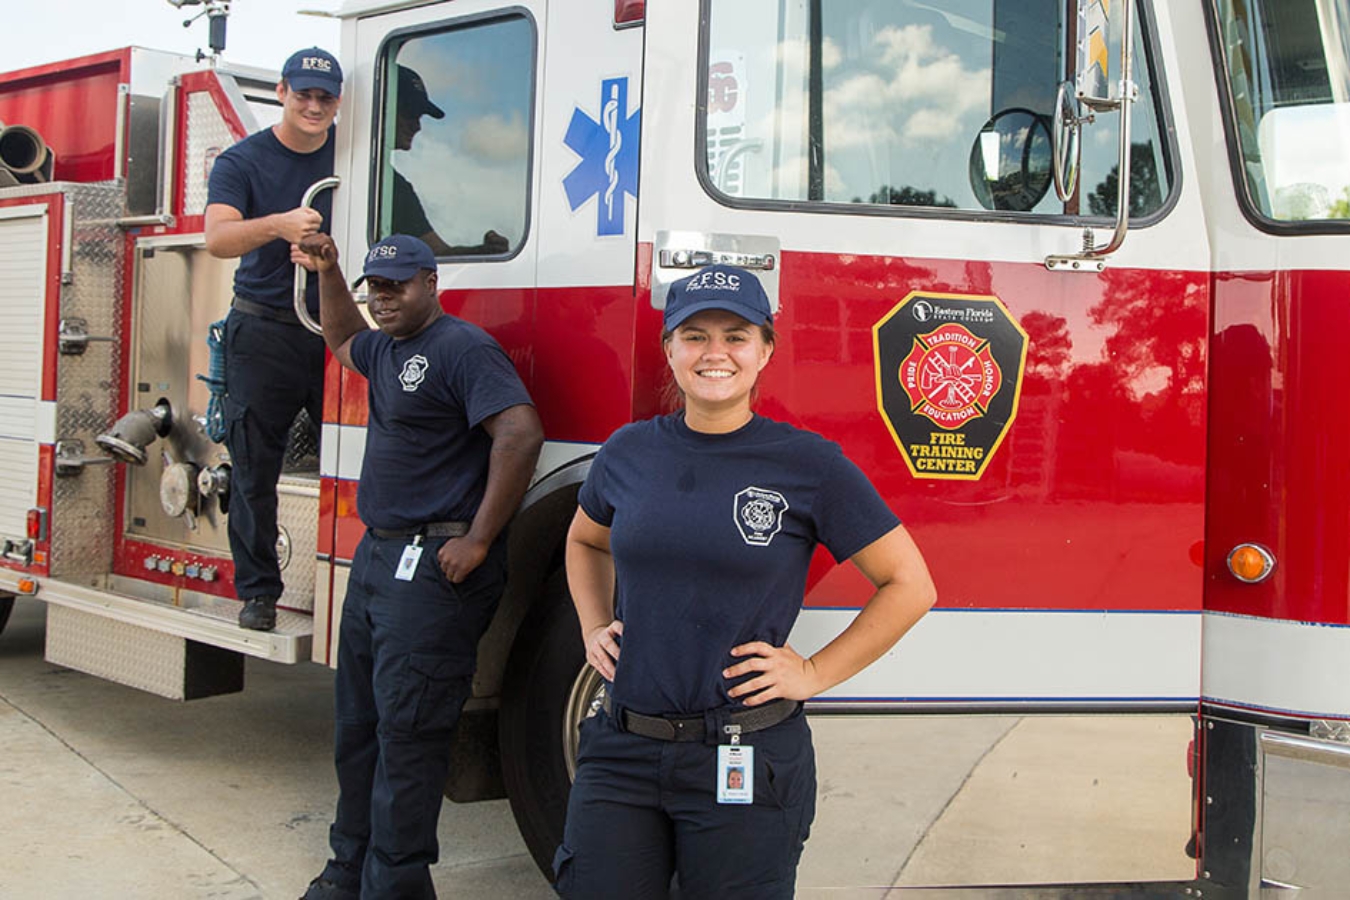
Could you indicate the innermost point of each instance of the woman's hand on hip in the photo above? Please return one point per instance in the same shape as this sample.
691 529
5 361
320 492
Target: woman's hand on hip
602 648
778 672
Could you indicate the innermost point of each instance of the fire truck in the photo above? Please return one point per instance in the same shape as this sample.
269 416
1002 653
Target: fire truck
1066 278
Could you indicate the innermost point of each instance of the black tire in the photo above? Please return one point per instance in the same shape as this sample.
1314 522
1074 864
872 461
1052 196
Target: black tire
545 695
6 607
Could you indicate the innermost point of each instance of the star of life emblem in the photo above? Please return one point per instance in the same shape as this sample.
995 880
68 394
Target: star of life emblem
414 373
609 157
759 515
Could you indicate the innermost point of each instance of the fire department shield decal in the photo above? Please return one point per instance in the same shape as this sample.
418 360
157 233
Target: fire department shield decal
949 373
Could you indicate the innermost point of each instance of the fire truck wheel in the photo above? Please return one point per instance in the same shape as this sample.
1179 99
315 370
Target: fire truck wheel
546 693
6 607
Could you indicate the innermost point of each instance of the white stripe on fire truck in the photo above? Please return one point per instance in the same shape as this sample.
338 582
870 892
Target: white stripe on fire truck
343 449
1277 665
1009 656
44 422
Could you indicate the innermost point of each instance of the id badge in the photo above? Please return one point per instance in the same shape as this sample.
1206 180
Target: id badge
735 774
407 564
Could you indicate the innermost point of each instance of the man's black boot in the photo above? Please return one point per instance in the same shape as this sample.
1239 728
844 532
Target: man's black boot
259 614
323 889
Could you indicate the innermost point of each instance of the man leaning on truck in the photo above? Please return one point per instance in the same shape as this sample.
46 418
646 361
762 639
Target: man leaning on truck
273 365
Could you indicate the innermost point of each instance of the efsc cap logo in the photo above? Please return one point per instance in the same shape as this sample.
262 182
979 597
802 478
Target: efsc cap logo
727 288
759 515
312 69
397 258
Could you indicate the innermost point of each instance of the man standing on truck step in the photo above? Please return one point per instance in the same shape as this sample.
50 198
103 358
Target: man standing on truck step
273 365
451 444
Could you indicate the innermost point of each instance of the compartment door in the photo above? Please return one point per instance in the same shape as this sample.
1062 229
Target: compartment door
27 417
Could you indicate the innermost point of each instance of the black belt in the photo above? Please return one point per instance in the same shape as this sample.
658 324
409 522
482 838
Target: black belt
690 728
431 529
265 311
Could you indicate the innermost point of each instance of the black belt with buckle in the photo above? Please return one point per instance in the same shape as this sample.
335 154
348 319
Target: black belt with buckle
265 311
431 530
690 728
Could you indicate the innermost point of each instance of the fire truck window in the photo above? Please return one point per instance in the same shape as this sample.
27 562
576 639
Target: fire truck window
453 148
1288 69
911 103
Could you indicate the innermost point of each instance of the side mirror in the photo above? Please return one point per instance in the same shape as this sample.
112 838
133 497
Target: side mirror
1011 161
1065 134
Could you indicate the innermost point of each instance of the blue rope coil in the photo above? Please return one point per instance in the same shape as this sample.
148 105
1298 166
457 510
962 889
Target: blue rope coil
215 380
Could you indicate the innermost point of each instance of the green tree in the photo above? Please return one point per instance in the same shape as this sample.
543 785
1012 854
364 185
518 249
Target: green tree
1341 208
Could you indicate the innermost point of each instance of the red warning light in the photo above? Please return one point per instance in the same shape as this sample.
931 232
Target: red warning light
629 12
37 524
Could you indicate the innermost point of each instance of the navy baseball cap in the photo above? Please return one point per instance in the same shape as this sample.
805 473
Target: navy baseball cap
727 288
397 258
313 68
412 95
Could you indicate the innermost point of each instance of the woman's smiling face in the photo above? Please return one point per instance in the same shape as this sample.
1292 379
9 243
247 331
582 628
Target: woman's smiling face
716 357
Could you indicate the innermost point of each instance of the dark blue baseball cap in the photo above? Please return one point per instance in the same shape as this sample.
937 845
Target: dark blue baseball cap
397 258
727 288
313 68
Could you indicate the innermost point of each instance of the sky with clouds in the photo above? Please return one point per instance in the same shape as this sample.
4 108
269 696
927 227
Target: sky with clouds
260 32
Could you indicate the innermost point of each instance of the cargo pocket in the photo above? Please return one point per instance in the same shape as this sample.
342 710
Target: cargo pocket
562 870
790 785
434 690
236 428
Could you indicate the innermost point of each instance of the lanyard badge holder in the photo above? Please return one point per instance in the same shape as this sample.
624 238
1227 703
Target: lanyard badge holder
735 769
407 563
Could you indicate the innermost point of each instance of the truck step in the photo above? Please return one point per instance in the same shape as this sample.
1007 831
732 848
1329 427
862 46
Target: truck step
191 615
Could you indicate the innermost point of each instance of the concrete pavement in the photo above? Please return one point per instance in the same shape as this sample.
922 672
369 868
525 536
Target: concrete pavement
111 793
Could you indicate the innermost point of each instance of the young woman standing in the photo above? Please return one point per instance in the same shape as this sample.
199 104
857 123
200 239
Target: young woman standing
690 550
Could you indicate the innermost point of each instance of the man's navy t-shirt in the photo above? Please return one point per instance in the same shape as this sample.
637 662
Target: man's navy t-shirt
260 176
426 457
712 537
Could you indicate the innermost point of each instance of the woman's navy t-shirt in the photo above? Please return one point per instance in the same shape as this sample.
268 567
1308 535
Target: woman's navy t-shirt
260 176
712 537
427 454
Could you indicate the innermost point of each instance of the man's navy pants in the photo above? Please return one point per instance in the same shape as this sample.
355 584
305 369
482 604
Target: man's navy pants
642 811
272 371
405 667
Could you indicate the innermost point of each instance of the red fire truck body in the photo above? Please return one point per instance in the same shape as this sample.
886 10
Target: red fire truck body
1113 434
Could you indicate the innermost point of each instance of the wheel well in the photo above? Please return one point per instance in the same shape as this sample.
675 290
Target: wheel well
534 551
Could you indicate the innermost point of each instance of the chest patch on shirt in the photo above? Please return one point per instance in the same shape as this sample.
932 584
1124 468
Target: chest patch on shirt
759 515
414 373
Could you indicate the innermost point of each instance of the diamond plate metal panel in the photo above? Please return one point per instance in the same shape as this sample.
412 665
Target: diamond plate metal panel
170 665
119 652
298 529
86 385
207 137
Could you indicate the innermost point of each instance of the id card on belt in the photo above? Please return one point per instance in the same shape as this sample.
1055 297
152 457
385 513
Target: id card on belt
735 773
407 564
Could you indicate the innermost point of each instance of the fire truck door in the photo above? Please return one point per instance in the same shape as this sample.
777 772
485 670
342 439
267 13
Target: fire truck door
441 149
886 169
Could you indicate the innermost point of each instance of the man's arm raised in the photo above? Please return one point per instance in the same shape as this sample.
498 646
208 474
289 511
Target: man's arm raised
229 235
338 314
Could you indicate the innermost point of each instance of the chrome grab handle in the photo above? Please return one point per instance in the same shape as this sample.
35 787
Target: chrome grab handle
301 273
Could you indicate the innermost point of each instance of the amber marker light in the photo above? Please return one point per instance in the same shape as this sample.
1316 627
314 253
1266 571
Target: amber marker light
1251 563
27 586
